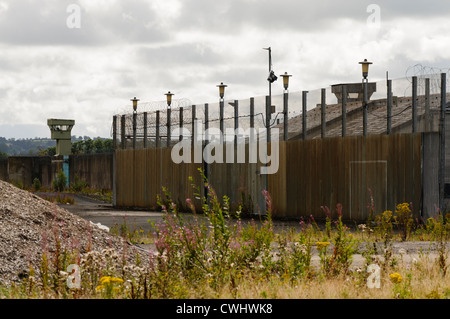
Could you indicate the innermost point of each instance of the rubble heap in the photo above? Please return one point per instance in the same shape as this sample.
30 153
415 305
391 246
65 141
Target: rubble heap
30 225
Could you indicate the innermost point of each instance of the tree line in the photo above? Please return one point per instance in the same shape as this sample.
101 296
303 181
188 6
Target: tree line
47 147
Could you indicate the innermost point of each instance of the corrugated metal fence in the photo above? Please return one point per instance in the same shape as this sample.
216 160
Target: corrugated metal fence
356 171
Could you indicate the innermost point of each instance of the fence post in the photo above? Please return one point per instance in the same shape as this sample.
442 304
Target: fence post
252 112
304 114
427 105
158 141
285 112
268 114
344 110
181 124
206 121
236 119
442 140
114 132
389 106
122 132
194 116
134 129
323 115
414 104
365 106
168 127
221 108
145 129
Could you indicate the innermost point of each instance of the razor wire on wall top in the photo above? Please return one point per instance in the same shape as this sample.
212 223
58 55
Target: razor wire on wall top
401 87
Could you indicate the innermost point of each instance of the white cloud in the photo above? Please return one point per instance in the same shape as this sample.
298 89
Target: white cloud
145 48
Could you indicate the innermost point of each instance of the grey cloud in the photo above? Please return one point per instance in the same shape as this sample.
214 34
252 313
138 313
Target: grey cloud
294 15
177 55
28 22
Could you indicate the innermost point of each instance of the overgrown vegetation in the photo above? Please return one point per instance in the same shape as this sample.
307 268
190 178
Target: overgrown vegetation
216 254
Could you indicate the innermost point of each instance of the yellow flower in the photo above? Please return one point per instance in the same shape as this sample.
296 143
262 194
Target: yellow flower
99 288
322 244
108 279
396 278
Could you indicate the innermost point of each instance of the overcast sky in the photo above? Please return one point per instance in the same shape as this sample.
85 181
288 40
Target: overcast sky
57 64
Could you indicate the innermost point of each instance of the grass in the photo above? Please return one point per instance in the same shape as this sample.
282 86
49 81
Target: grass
217 254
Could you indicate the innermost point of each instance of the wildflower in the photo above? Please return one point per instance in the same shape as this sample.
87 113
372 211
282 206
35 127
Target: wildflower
322 244
362 227
396 278
108 279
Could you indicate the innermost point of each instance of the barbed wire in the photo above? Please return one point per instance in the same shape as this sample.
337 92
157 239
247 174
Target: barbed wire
259 121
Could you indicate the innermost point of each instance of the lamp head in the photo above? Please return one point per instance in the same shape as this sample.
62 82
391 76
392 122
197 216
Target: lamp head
135 103
221 87
169 98
286 77
365 68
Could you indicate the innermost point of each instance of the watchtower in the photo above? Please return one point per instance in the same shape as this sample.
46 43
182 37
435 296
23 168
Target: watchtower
61 132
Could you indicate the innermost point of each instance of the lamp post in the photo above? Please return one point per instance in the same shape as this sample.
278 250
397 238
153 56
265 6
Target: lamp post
221 87
135 104
285 77
169 103
365 72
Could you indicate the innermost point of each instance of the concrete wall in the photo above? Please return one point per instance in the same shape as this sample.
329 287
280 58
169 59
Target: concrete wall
95 169
3 169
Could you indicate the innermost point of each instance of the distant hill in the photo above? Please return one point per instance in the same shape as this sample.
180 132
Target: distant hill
31 146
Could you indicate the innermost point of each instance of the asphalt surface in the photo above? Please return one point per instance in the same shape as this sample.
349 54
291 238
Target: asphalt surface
105 214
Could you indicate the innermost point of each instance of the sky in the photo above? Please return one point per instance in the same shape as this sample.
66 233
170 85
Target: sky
85 59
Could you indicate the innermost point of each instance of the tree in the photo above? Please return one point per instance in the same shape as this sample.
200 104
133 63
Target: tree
88 146
98 145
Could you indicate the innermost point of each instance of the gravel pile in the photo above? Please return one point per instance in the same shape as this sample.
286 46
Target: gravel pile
30 225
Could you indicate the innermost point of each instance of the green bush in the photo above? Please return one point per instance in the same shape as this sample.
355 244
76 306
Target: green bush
36 184
78 185
59 184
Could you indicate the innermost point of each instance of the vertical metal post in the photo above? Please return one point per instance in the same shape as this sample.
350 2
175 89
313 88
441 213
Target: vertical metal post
365 107
168 127
158 137
427 105
344 110
194 117
414 104
442 140
304 114
145 130
236 120
221 110
286 114
252 112
134 130
122 133
389 107
323 114
268 115
114 132
206 121
181 124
